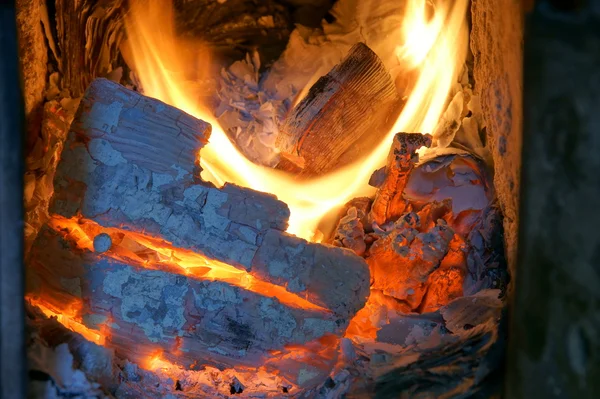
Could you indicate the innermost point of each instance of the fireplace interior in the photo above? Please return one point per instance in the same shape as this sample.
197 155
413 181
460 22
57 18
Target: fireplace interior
280 198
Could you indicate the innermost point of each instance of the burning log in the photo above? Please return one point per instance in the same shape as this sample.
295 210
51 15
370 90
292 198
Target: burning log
140 308
345 114
129 162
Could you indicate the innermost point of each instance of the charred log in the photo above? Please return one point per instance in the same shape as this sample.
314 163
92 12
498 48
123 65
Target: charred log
236 27
88 35
345 114
129 162
142 308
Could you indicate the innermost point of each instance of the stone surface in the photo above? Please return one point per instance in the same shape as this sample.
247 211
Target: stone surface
33 57
554 348
496 43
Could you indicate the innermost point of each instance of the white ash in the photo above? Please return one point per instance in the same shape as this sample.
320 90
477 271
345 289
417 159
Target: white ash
53 375
249 114
102 243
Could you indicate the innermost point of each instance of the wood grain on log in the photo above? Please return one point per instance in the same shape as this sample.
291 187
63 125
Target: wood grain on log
345 114
389 203
142 307
129 163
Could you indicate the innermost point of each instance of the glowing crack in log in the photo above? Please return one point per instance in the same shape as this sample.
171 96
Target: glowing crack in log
147 307
160 262
120 169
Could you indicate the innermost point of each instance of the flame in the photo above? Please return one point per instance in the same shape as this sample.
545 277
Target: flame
436 46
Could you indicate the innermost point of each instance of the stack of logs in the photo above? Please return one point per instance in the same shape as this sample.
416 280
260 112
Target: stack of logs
129 169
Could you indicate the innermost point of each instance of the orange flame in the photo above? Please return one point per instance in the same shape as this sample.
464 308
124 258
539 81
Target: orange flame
436 46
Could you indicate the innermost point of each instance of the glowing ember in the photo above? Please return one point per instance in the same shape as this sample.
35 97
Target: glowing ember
154 253
437 47
69 317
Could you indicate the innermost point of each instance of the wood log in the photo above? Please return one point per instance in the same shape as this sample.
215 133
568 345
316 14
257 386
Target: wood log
143 307
129 162
389 203
345 114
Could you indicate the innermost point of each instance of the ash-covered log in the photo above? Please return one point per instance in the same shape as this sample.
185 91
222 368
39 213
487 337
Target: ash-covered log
129 162
345 114
144 307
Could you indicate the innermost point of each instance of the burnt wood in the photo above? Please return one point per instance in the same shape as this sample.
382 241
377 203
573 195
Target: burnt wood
12 315
142 306
129 162
345 114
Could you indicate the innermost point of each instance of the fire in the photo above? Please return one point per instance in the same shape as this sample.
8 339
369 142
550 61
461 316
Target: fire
155 253
436 46
68 316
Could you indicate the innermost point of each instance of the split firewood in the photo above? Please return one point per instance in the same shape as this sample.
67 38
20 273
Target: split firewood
389 203
143 307
130 161
345 114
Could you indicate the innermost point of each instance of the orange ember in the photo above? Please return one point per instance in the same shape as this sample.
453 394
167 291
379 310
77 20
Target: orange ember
156 253
69 317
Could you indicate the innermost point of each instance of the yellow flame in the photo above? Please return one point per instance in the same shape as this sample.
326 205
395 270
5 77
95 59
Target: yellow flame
436 46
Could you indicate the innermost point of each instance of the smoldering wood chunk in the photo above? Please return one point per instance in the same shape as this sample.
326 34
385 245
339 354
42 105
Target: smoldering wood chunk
350 231
445 369
389 203
402 260
345 114
486 260
446 282
129 162
466 312
142 309
459 179
41 165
